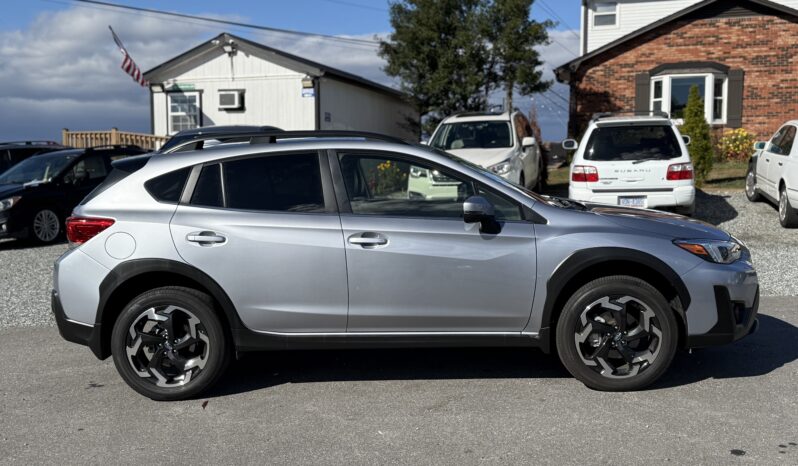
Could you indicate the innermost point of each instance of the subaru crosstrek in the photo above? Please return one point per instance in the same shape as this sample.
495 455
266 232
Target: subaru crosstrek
311 240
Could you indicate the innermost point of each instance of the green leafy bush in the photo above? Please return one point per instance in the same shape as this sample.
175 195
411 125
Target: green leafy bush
736 144
696 126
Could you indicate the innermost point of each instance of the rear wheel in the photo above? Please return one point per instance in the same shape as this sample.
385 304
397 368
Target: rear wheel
787 215
46 226
169 344
616 334
750 186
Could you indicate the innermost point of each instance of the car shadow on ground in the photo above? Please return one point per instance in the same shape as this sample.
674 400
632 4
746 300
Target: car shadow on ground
773 346
714 208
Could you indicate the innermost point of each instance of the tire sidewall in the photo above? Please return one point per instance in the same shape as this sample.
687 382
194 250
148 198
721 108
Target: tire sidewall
217 357
753 197
598 289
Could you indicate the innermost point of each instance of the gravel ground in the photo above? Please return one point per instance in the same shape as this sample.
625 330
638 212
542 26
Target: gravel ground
26 271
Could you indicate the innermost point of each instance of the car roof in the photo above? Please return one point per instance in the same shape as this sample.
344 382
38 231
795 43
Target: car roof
223 129
618 120
478 116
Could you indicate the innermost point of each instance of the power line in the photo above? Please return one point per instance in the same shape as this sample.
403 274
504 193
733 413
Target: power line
356 5
231 23
559 18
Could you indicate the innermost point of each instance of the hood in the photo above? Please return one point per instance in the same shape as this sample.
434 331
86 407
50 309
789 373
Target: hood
483 157
659 223
8 190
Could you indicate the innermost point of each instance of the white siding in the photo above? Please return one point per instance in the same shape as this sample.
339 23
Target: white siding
273 94
351 107
636 14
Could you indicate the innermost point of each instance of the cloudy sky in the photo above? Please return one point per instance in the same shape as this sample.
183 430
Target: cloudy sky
59 67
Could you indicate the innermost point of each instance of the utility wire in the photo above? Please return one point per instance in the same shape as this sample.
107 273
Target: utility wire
551 11
357 5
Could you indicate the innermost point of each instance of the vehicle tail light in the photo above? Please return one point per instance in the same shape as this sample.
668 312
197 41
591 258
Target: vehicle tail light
81 229
584 174
680 171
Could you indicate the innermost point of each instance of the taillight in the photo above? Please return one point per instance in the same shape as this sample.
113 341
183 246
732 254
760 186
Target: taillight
81 229
680 171
584 174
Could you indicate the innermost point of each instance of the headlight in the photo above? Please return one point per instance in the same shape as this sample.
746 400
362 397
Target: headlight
720 252
501 168
8 203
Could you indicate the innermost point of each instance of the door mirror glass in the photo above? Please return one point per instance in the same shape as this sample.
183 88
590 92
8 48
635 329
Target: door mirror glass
477 209
760 145
570 144
528 141
687 140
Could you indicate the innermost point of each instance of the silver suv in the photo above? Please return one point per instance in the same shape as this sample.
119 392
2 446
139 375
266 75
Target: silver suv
313 240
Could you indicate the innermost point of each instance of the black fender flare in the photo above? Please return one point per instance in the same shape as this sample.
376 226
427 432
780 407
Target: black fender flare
581 260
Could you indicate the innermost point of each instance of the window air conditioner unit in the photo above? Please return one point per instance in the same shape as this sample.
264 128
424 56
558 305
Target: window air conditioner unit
231 100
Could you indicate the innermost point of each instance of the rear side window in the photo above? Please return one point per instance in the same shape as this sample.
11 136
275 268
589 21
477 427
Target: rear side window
168 187
630 143
282 183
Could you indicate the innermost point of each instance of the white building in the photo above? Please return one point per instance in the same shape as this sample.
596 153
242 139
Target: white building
603 22
233 81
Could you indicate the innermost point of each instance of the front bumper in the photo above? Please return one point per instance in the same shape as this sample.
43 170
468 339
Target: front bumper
735 320
82 334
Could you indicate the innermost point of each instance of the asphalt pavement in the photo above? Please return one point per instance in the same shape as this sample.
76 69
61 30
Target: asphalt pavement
726 405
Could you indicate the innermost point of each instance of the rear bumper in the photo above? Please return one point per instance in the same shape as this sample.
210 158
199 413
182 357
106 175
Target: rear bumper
82 334
678 196
735 320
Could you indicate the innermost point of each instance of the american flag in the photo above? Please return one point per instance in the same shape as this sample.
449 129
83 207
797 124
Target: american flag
128 64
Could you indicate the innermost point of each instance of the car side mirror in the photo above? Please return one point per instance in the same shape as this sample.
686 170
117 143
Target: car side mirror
477 209
570 144
687 140
760 145
528 142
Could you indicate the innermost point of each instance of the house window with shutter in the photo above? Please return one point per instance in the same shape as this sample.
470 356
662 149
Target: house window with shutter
669 94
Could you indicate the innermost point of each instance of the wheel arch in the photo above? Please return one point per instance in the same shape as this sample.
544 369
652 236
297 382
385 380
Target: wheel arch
589 264
130 279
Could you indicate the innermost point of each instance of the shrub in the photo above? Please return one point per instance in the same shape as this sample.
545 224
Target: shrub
736 144
696 126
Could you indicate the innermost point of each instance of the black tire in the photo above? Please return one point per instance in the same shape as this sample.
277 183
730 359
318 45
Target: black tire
787 215
46 227
646 308
751 191
210 347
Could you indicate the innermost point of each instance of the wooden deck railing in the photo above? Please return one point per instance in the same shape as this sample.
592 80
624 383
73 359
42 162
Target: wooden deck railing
82 139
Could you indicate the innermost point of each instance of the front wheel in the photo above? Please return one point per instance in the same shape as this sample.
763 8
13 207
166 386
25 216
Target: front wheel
169 344
617 334
750 187
787 215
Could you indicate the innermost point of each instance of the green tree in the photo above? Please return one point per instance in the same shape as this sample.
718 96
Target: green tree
696 126
514 60
438 52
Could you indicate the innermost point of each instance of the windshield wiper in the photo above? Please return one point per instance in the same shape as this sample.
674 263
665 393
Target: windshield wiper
650 159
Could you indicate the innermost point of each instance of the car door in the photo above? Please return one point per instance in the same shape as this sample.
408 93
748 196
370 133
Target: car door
779 158
266 229
414 265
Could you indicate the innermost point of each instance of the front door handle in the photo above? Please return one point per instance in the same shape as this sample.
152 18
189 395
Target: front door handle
205 238
368 240
780 163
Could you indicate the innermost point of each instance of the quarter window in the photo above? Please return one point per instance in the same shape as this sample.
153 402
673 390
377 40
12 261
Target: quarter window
605 14
394 186
184 111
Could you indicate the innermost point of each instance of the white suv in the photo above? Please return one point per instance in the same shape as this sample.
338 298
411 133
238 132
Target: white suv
633 161
500 142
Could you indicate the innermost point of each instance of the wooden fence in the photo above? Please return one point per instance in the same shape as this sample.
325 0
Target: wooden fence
82 139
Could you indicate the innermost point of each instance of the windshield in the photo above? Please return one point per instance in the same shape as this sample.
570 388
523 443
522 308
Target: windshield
38 168
473 135
630 143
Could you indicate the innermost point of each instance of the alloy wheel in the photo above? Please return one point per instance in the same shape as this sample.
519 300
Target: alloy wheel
750 184
783 205
618 336
46 226
167 345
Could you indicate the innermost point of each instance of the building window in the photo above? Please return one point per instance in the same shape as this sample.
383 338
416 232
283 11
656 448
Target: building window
669 94
605 14
184 111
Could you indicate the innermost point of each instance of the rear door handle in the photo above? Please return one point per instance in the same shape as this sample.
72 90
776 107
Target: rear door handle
205 238
368 239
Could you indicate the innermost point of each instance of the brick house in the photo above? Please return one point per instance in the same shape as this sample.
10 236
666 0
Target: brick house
742 54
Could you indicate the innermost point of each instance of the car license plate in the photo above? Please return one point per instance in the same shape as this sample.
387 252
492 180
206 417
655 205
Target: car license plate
632 201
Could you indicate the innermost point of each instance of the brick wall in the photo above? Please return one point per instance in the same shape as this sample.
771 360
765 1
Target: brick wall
766 47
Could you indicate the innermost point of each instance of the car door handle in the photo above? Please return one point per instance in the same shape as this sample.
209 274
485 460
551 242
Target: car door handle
205 238
781 163
368 239
767 160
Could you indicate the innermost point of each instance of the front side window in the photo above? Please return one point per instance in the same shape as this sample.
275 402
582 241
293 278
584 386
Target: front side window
605 14
276 183
473 135
782 142
394 186
670 93
184 111
629 143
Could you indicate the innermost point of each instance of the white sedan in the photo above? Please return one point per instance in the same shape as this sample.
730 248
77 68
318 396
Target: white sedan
773 173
